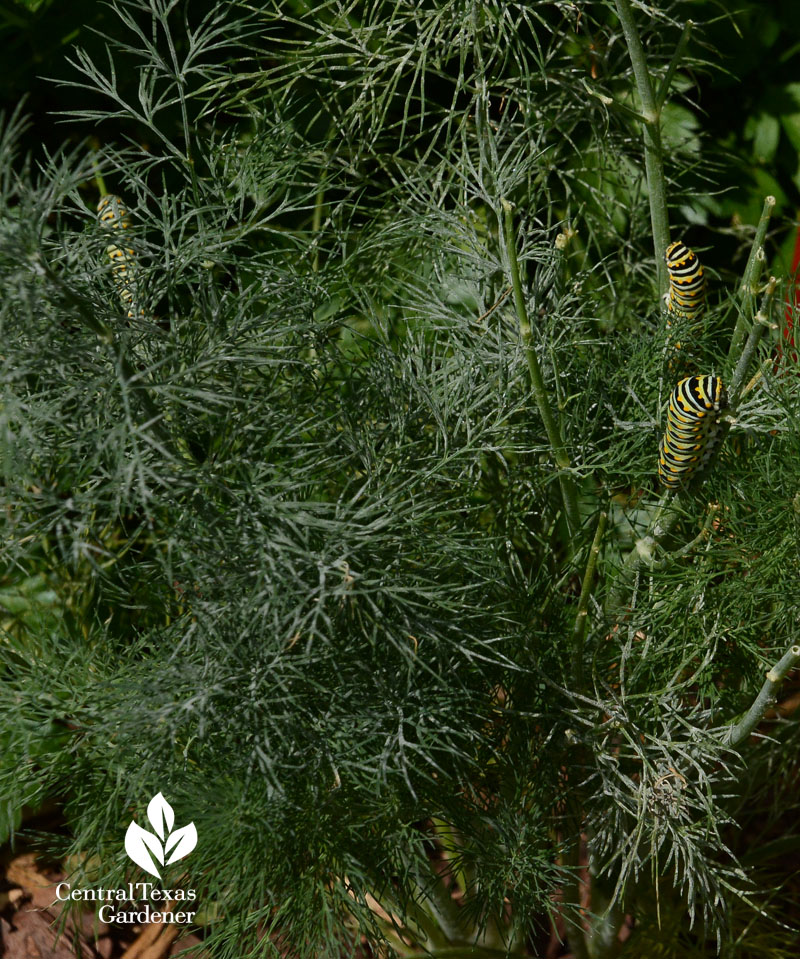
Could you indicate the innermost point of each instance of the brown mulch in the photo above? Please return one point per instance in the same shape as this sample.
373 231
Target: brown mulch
33 924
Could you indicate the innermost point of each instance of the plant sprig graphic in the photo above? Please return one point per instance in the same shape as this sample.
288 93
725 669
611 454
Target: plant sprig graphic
139 843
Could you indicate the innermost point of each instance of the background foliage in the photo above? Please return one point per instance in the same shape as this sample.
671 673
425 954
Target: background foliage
288 544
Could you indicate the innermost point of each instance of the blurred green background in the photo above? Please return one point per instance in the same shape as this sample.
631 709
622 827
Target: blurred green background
748 106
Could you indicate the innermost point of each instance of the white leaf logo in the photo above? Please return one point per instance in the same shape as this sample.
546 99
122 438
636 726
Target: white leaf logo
184 840
139 843
160 814
142 846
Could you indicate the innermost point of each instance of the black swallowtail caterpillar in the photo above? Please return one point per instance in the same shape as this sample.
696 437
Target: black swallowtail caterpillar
685 302
687 284
692 428
114 216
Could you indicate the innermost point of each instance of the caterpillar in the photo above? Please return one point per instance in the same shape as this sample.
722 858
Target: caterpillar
112 213
114 216
687 284
692 428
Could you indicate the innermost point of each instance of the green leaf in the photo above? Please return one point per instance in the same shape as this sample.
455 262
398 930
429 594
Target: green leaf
680 128
791 125
764 130
790 121
329 308
33 5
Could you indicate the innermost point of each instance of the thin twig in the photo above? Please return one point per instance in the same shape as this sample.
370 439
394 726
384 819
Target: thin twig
677 56
568 490
757 377
701 537
761 324
499 302
608 101
749 288
579 630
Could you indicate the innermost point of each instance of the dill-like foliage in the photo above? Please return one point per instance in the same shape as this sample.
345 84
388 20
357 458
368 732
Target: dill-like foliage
288 544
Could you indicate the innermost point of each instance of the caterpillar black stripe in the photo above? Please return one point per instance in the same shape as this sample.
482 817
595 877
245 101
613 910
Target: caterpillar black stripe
113 215
687 283
692 428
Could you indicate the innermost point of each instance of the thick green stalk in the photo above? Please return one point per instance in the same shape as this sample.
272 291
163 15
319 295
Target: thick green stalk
568 489
643 551
439 904
652 103
740 731
653 154
749 288
579 631
419 925
452 845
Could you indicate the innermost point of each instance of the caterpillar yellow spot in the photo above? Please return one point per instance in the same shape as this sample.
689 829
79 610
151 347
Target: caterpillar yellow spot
113 214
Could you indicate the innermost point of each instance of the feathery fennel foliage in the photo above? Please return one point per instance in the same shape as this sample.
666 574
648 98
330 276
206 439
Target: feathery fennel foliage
290 546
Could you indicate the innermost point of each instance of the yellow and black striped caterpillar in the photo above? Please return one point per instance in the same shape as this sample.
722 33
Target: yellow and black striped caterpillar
692 428
113 215
687 284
